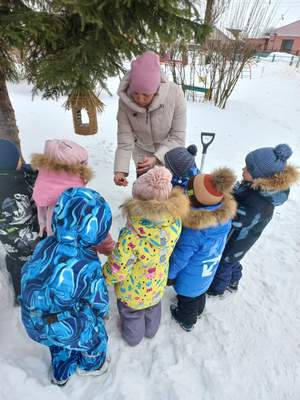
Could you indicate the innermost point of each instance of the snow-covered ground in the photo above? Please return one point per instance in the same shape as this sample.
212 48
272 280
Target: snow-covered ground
247 345
280 56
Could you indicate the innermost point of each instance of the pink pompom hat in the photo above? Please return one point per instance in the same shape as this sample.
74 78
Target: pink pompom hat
153 185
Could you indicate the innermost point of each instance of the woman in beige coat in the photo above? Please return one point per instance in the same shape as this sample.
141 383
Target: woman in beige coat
151 117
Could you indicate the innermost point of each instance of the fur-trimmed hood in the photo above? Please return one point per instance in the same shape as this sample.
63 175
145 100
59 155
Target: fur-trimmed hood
176 206
41 161
204 218
279 182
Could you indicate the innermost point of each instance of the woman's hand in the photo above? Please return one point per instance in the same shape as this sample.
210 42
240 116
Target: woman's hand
145 165
120 179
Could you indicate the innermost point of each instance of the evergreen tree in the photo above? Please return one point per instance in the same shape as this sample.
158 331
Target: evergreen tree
67 45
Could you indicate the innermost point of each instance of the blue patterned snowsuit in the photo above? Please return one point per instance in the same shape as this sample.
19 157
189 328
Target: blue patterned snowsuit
63 292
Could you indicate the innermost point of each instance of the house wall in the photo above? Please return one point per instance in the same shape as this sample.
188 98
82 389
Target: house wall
276 41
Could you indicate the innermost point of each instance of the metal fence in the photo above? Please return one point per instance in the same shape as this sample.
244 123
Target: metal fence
275 57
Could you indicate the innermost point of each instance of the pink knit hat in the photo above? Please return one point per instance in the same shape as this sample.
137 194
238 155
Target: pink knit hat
65 152
145 74
154 184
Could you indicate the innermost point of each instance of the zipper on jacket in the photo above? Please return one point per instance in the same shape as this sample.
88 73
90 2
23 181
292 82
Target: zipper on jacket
147 115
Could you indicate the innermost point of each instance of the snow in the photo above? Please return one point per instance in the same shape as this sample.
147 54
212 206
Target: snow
246 345
280 56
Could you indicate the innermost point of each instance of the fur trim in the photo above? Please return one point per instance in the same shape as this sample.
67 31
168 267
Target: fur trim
176 206
201 219
39 161
223 179
278 182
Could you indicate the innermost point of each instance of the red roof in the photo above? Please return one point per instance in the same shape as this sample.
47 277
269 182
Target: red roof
292 29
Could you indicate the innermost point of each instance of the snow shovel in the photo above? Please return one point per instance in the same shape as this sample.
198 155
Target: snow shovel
206 139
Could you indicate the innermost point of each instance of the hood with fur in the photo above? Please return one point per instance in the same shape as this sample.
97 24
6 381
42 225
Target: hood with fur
278 182
176 206
40 161
204 218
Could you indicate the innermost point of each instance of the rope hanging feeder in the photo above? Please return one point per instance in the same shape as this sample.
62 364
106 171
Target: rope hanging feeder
84 101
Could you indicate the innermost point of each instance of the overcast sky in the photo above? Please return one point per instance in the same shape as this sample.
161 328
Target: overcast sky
288 11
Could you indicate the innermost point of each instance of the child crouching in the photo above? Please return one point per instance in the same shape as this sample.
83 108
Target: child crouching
64 296
198 251
139 263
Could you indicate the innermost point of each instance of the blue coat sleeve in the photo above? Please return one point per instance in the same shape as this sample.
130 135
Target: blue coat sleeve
185 248
96 294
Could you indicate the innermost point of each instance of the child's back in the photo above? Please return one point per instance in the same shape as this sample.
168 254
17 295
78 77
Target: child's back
198 251
200 246
64 296
62 166
140 261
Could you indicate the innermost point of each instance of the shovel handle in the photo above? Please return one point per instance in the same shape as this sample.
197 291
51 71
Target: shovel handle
205 145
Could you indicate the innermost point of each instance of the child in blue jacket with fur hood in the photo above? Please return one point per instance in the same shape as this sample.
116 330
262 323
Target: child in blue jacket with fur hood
201 243
63 292
267 179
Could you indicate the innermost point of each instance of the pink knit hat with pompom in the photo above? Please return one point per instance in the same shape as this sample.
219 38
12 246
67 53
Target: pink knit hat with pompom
65 152
145 74
154 184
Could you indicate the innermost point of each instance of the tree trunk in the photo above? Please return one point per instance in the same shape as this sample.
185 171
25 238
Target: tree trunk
8 125
209 12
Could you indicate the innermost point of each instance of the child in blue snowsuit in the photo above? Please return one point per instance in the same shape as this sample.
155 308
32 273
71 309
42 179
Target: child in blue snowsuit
198 251
63 292
181 162
266 184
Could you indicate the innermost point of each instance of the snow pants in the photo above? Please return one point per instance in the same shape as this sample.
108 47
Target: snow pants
75 339
14 267
65 361
137 324
227 273
190 308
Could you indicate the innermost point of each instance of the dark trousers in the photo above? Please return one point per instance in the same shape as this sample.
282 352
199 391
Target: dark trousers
14 268
189 308
227 273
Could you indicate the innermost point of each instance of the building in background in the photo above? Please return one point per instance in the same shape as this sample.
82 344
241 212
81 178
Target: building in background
285 39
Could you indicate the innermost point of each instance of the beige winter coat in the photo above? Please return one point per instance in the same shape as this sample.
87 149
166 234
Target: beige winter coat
152 131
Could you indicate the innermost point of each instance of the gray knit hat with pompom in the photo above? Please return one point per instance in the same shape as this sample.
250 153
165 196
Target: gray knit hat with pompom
180 160
268 161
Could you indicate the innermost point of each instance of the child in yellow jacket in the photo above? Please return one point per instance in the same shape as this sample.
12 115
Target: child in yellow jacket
139 263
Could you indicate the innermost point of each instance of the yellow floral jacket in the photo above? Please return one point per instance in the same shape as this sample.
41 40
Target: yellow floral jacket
140 260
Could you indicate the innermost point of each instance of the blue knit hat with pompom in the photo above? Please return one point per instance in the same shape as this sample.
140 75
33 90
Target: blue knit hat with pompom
268 161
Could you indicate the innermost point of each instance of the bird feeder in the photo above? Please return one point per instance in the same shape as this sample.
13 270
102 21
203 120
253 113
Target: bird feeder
84 106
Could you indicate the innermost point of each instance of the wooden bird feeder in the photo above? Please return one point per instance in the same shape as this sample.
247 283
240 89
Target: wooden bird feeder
84 107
